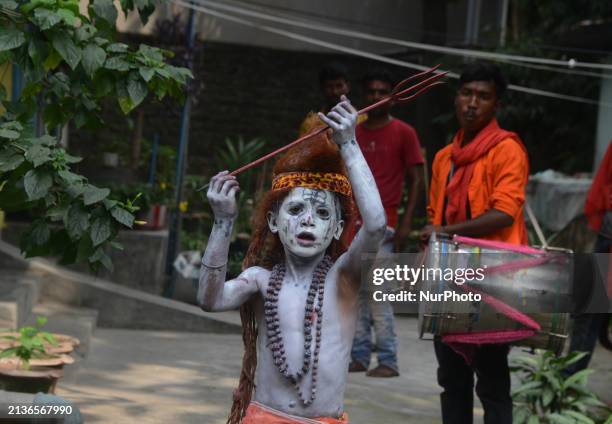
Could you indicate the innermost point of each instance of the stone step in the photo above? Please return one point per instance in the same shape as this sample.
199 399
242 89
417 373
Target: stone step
18 295
74 321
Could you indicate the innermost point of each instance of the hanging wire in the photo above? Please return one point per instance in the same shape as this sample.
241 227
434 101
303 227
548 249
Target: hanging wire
454 51
373 56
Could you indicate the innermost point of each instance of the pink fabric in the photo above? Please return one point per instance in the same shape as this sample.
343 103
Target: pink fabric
498 245
464 343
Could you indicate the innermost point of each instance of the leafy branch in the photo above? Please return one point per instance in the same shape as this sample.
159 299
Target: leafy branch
71 64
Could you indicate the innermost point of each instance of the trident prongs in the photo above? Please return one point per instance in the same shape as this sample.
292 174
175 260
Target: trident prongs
397 95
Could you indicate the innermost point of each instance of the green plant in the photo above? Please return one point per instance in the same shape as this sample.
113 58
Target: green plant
547 396
30 343
71 63
165 168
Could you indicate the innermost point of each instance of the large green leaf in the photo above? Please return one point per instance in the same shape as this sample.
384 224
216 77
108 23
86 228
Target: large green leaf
100 229
11 38
520 415
72 159
556 418
39 233
67 49
151 53
10 160
68 16
106 10
57 213
85 32
117 64
69 177
122 216
45 18
10 134
45 139
580 418
93 58
578 378
137 91
93 194
37 183
38 51
117 48
38 154
8 4
146 73
126 104
76 221
532 385
85 248
52 61
101 256
547 397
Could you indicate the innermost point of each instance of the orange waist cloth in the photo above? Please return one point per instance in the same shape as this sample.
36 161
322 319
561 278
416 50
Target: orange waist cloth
261 414
498 182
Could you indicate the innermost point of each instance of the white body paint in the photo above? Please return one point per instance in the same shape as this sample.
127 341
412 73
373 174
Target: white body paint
306 222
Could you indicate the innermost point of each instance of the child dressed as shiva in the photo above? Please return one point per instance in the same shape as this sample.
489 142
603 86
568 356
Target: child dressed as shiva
299 289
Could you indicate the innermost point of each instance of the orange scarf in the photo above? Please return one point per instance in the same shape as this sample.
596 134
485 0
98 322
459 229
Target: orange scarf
464 159
598 199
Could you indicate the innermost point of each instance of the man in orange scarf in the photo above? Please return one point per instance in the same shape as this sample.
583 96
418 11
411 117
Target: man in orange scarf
598 210
478 190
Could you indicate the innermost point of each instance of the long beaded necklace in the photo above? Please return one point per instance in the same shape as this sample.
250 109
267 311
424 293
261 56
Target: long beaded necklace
275 338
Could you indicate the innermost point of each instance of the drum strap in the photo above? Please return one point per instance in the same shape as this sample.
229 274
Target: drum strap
536 225
464 343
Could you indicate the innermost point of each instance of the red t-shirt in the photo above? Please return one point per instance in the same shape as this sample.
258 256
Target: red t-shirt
389 151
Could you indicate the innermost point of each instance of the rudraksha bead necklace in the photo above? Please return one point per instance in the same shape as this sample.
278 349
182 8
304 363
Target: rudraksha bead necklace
275 338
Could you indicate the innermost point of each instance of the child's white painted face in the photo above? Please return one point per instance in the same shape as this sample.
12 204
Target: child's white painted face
307 221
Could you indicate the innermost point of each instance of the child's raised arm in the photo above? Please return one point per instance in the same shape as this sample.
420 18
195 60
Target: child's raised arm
343 120
214 293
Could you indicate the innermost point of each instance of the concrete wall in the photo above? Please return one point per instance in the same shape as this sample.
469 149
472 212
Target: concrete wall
117 306
139 266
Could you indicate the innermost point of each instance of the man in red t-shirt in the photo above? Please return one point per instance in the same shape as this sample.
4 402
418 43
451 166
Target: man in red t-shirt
393 152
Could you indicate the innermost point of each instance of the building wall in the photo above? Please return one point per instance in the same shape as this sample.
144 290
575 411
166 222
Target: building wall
394 18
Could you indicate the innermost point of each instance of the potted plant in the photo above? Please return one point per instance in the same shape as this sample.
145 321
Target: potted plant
548 396
31 360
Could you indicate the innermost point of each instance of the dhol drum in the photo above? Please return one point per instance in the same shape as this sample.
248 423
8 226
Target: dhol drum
518 292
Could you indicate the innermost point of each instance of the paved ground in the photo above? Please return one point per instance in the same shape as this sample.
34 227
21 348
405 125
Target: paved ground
163 377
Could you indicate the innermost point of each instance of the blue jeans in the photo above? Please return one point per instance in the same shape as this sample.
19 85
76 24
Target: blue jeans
379 315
